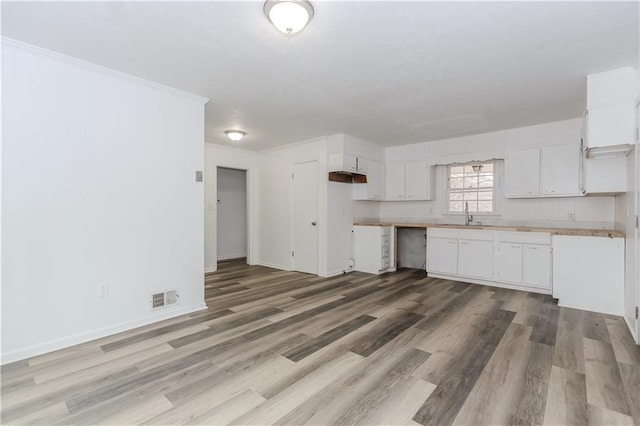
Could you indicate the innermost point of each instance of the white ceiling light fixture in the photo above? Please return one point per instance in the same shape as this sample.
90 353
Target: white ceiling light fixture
288 16
235 135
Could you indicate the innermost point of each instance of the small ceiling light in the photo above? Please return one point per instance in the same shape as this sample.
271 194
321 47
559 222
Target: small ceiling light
235 135
288 16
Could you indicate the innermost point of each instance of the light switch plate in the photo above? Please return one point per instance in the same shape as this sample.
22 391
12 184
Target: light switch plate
198 176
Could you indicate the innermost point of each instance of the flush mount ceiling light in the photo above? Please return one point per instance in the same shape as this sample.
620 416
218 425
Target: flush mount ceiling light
235 135
288 16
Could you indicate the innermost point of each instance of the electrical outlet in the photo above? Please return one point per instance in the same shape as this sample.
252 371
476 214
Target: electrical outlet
571 215
103 290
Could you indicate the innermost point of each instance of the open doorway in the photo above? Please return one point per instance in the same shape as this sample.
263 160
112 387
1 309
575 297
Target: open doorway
231 214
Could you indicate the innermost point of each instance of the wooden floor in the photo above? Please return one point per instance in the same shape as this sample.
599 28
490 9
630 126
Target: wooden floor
280 347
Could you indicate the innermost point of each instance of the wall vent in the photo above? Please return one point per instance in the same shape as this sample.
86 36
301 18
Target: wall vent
164 299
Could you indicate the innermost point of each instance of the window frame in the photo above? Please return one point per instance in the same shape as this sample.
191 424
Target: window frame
494 188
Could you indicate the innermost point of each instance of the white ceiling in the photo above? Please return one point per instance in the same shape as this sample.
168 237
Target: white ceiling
388 72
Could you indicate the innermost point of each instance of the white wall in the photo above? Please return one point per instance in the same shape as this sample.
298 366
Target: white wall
589 211
98 180
232 213
235 158
275 198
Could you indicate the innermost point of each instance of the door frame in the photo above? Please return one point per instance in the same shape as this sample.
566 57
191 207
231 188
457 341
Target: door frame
291 212
248 221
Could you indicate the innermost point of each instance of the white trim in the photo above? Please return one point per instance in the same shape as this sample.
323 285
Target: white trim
336 273
631 329
232 256
272 265
490 283
211 269
66 342
306 141
6 41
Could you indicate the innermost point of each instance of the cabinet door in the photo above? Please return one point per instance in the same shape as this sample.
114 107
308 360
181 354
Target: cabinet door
475 259
362 165
416 180
536 269
611 125
509 263
395 181
374 181
522 173
442 255
561 170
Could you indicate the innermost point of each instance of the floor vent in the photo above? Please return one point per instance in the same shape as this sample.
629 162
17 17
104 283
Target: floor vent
164 299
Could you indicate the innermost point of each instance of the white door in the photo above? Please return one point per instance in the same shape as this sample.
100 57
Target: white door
442 255
304 249
536 269
416 180
509 263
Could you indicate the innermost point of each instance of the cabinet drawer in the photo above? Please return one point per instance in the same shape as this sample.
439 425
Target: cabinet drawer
386 251
386 240
524 237
386 262
477 235
385 230
442 233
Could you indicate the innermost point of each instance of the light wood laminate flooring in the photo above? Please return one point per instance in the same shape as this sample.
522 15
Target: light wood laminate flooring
277 347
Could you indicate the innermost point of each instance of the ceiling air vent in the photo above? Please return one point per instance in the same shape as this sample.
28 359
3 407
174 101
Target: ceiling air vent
164 299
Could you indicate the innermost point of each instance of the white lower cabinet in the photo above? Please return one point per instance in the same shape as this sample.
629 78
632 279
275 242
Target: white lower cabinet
442 251
475 254
536 266
509 263
588 273
373 249
510 259
442 255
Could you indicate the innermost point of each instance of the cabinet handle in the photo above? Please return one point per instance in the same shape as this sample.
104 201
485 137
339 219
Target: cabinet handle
515 246
463 243
452 242
532 248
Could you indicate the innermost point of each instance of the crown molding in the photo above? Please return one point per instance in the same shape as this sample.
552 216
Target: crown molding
9 42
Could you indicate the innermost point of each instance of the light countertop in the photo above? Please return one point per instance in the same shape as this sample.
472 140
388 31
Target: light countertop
553 231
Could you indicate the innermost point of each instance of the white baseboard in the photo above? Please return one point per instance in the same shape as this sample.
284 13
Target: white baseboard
336 273
273 265
233 256
210 269
631 329
66 342
490 283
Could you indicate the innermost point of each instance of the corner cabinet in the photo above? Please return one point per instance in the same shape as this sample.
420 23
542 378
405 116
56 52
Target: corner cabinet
550 171
373 249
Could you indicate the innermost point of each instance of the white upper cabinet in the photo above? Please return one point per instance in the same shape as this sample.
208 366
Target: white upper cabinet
611 125
413 180
349 154
419 179
374 188
612 87
610 119
343 162
560 170
395 184
522 173
550 171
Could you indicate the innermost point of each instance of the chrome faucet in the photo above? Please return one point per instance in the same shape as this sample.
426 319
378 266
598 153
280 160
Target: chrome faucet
467 217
